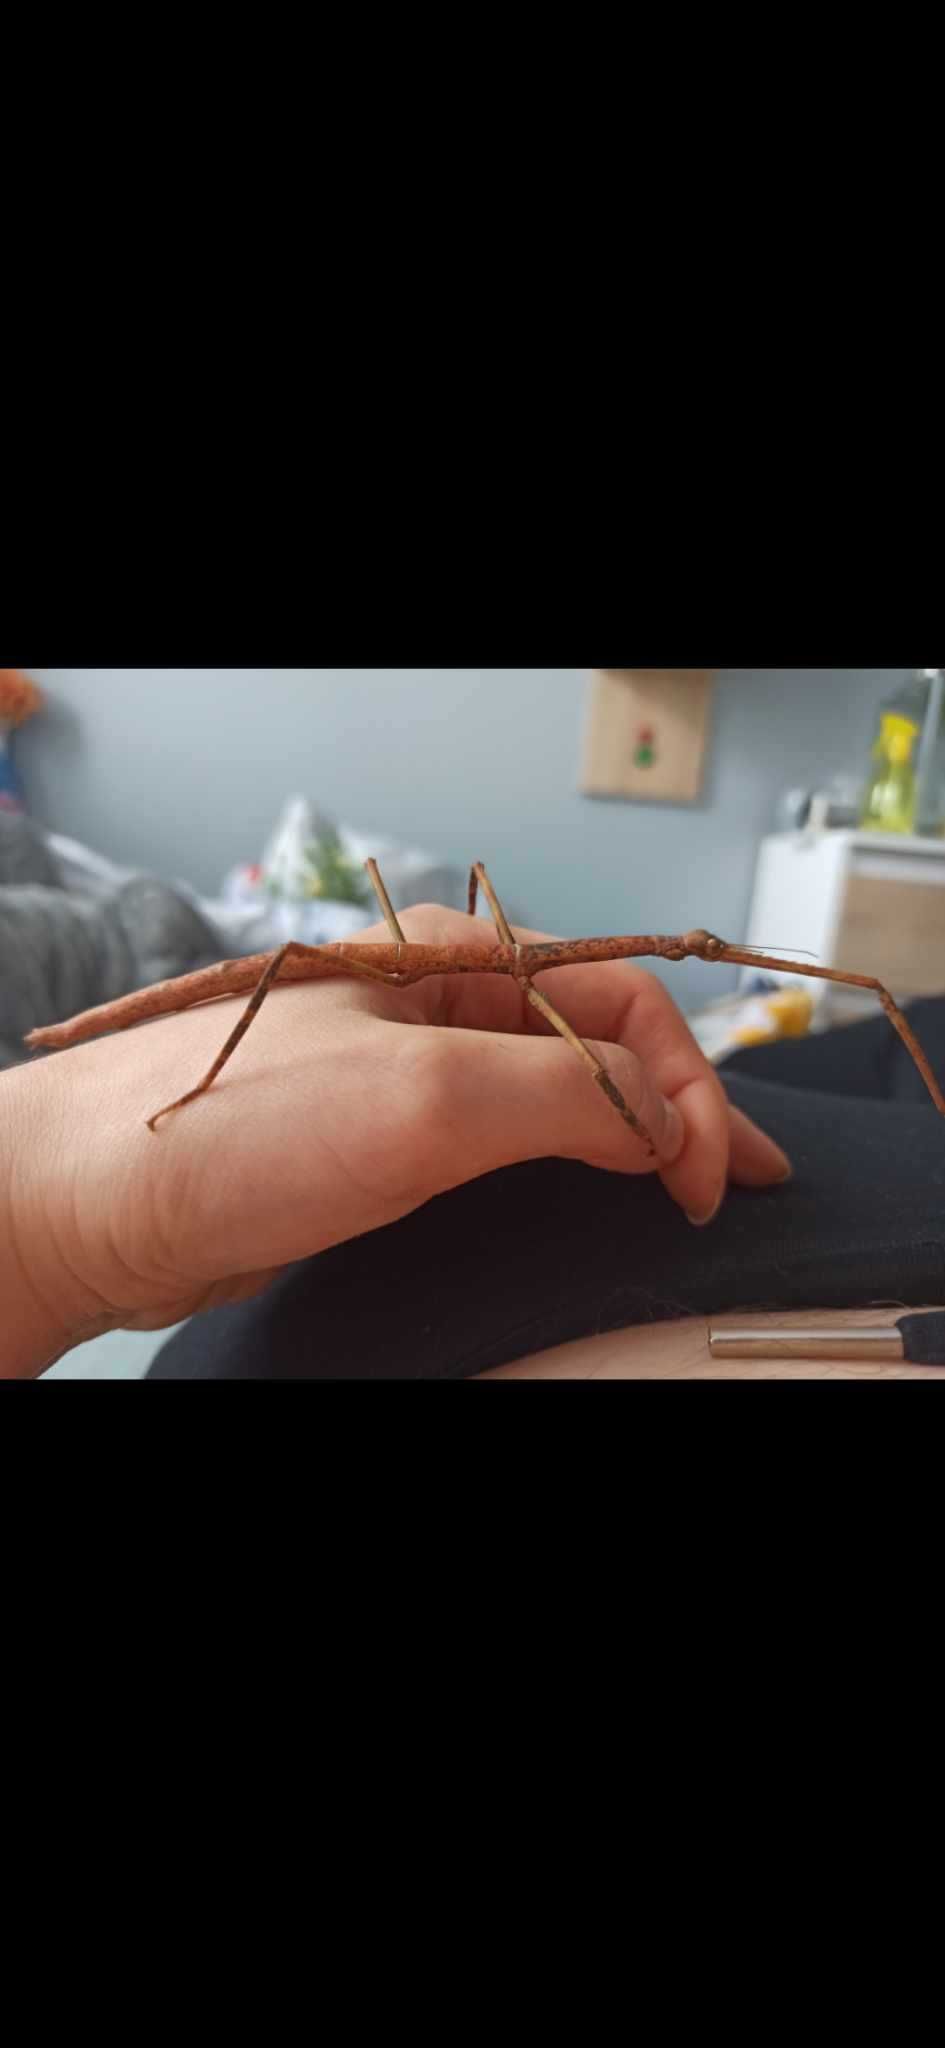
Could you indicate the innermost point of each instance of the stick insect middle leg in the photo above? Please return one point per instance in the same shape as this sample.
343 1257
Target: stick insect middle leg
598 1072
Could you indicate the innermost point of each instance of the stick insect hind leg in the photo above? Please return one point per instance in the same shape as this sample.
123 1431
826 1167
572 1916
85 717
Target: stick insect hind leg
293 951
608 1087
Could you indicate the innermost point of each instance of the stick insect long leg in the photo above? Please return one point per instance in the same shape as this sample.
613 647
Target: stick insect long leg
292 951
387 907
479 879
702 946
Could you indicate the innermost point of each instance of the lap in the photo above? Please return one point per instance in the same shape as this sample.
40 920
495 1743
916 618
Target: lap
550 1253
680 1351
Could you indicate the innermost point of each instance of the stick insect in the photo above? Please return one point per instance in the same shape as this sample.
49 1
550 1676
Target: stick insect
401 964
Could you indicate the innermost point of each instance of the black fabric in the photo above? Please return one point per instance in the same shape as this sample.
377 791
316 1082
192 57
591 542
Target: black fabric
923 1339
867 1059
543 1253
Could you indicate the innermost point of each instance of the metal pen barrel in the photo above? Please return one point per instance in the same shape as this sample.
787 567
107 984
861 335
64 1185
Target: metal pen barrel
814 1344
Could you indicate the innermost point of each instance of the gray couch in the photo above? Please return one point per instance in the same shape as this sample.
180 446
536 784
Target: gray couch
65 949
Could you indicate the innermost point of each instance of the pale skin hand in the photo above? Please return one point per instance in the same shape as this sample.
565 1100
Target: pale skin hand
337 1116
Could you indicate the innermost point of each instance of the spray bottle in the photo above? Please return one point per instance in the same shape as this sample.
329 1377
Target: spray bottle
892 792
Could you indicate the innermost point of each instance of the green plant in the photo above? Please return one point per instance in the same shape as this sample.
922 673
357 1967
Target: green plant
334 876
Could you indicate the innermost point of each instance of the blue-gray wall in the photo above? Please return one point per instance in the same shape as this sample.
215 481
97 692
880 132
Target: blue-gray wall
182 771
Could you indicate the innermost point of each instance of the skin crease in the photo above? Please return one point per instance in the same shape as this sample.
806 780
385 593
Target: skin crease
336 1116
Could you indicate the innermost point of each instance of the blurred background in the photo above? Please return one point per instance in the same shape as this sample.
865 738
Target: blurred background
183 773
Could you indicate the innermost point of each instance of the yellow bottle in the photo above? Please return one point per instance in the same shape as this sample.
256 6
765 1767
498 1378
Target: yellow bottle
890 803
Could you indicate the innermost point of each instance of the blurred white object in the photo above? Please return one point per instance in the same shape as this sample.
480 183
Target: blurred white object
287 870
757 1017
410 874
274 902
315 924
250 918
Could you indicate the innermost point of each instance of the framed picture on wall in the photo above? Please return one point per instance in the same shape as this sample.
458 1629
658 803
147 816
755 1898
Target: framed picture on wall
647 733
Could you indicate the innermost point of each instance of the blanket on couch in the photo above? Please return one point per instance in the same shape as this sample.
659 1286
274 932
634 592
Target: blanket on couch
64 949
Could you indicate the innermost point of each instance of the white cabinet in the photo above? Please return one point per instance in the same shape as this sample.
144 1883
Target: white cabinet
860 902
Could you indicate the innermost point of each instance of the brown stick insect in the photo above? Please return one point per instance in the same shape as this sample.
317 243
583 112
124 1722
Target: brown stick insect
401 964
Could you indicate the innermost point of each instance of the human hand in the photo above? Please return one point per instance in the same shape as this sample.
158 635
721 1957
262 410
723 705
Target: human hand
337 1116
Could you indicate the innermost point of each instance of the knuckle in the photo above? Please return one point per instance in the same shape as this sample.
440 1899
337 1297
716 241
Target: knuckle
431 923
650 1008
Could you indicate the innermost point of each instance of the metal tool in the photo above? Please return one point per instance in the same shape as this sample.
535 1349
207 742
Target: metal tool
914 1339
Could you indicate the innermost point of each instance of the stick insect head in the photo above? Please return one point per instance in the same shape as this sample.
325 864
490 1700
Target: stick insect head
704 946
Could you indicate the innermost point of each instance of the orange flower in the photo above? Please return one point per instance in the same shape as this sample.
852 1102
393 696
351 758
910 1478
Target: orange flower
19 697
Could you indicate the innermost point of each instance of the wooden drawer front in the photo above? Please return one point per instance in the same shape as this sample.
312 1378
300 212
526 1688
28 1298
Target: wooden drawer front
895 931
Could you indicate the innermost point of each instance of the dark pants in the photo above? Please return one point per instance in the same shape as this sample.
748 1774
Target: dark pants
539 1254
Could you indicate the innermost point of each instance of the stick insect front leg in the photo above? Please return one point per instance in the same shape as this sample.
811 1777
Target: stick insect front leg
704 946
480 879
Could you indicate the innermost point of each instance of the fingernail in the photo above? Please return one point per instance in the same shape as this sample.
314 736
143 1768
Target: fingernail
701 1222
788 1174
